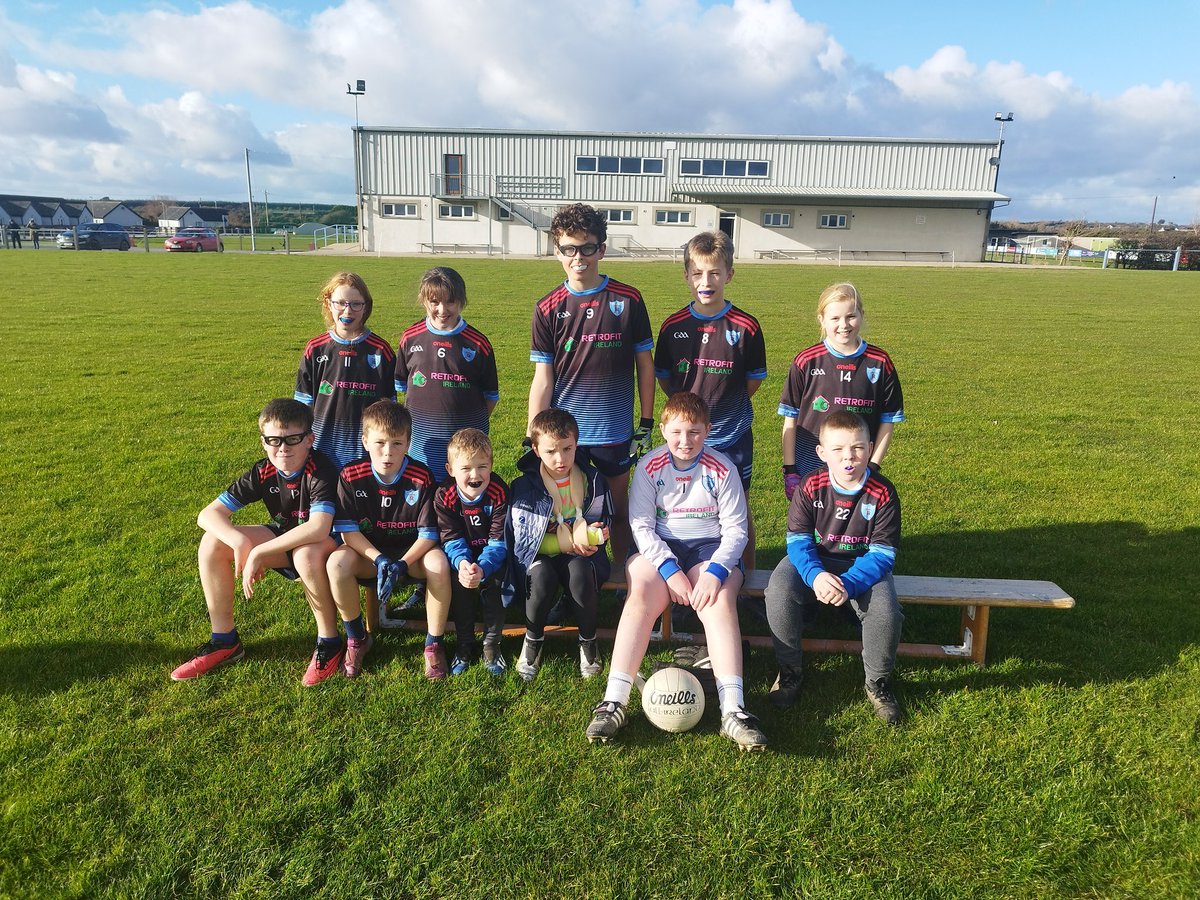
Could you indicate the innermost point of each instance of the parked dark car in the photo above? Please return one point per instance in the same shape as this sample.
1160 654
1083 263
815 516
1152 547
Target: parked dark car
96 236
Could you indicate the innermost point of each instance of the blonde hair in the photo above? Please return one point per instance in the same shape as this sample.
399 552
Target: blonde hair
354 280
708 245
468 442
836 293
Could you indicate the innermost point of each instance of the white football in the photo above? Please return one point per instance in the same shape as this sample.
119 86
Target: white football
673 699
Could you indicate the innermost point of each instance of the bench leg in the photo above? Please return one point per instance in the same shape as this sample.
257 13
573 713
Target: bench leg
974 627
371 609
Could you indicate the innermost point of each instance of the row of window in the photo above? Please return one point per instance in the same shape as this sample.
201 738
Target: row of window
691 168
616 215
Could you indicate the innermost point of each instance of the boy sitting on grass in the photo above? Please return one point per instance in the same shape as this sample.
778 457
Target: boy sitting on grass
559 512
842 534
688 515
385 516
298 487
471 510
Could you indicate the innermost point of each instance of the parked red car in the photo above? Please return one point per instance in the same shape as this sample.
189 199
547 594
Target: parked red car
194 240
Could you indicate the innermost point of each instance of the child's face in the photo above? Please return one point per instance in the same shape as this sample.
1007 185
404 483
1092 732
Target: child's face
347 321
707 279
583 272
840 323
386 450
287 457
472 472
557 454
684 439
443 312
846 452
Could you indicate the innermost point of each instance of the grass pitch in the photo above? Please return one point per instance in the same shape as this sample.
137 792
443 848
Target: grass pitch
1050 435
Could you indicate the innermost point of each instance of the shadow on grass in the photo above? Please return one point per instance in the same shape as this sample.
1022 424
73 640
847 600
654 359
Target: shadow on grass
1134 593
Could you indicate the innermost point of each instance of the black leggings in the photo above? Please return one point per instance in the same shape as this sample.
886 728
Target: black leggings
463 604
546 575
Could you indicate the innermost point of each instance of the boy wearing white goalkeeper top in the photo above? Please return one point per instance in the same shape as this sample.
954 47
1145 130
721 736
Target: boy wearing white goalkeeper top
688 513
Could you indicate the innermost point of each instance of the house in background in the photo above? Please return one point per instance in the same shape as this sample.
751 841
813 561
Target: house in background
176 217
432 189
113 211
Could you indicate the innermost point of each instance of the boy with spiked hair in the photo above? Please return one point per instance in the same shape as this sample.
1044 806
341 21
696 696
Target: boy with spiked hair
842 534
298 487
471 509
688 515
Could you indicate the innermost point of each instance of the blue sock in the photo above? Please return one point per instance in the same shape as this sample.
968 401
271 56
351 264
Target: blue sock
355 629
330 643
225 638
430 640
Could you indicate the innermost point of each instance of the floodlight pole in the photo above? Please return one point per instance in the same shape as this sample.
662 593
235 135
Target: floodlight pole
359 88
250 193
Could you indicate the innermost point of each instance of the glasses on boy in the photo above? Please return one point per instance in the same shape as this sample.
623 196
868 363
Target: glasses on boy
278 440
569 250
343 305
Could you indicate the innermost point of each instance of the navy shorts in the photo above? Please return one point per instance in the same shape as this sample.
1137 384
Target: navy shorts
610 460
289 571
692 553
741 454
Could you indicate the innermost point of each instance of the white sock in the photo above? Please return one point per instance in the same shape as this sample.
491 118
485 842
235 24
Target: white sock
618 689
731 694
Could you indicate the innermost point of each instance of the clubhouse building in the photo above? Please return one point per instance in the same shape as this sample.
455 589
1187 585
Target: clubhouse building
423 190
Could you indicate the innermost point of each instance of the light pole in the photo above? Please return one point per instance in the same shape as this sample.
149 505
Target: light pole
360 88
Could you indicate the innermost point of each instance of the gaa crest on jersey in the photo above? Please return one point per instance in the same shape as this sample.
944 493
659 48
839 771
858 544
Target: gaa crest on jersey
868 510
468 353
616 306
411 496
732 335
873 374
374 359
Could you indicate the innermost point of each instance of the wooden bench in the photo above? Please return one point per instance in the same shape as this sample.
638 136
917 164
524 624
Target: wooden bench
976 597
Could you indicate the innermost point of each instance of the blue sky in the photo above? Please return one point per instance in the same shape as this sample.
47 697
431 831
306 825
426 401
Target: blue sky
144 99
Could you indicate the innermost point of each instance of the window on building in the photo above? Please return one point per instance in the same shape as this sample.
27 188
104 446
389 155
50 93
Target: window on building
725 168
400 210
834 220
456 210
618 216
503 213
776 219
618 165
672 217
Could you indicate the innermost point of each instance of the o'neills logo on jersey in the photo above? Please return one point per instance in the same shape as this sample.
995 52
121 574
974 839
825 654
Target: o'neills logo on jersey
347 353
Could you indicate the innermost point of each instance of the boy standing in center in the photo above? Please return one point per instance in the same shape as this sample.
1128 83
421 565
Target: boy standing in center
591 335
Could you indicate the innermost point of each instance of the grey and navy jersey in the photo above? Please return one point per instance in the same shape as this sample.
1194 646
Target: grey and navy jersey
473 530
592 340
446 379
821 380
857 530
339 379
390 515
713 357
290 499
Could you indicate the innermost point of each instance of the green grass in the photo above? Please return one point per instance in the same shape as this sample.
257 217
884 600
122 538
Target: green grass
1050 435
